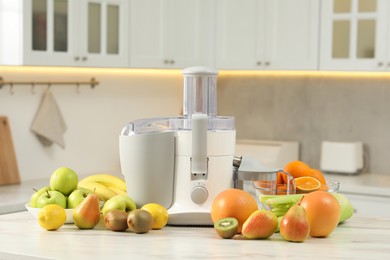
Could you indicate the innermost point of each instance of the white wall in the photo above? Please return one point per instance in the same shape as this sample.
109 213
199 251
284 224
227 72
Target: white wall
94 117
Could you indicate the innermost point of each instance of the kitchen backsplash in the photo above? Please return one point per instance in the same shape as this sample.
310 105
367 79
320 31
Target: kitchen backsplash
94 117
305 108
311 108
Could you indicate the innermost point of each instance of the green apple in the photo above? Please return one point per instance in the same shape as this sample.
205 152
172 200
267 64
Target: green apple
119 202
64 180
77 196
36 194
51 197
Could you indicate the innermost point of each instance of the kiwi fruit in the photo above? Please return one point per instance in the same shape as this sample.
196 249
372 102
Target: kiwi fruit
140 221
116 220
226 227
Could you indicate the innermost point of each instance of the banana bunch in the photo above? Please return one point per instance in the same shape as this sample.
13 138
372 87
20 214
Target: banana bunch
104 185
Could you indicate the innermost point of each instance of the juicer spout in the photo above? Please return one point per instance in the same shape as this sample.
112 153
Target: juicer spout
199 160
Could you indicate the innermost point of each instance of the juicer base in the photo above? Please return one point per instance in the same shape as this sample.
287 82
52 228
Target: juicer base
186 216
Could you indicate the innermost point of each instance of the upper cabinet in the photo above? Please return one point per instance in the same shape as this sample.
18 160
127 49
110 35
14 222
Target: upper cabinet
66 33
355 35
170 33
267 34
226 34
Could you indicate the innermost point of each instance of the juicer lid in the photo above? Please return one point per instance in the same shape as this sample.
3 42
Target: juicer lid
199 70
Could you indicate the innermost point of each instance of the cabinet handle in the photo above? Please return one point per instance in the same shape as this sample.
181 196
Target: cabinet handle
172 62
267 63
258 63
84 58
380 64
76 58
166 61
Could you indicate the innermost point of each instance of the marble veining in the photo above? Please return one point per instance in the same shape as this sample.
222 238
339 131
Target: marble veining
361 237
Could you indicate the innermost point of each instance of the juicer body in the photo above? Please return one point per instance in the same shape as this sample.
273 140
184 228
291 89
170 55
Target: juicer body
158 168
194 192
181 162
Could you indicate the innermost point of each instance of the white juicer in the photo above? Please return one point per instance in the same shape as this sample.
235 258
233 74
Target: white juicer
181 162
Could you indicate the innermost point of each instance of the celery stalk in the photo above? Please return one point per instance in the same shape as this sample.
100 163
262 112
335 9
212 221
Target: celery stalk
347 209
284 199
279 204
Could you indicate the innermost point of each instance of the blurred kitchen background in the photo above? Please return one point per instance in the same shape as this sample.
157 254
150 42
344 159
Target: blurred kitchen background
305 71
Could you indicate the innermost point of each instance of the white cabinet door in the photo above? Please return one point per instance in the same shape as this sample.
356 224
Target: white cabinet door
189 25
169 33
147 33
292 35
267 34
66 33
240 34
354 35
103 34
49 32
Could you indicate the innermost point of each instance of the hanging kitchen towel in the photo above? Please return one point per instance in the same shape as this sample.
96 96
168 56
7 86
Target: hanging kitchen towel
48 124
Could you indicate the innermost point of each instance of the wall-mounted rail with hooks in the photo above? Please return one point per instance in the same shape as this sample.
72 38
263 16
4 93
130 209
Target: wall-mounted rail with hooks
92 83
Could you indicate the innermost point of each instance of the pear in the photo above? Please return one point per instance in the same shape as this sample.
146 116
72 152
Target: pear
261 224
295 226
87 214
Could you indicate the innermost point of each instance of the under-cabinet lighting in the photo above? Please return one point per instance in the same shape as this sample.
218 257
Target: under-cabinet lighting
322 74
95 71
173 72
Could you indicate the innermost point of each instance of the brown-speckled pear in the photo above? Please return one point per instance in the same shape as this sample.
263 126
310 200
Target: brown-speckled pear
261 224
87 214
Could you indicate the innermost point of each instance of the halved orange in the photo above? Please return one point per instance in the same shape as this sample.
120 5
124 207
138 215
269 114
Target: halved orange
307 184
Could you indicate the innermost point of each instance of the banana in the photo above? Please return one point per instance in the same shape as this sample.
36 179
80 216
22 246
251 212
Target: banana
100 190
105 179
110 185
117 191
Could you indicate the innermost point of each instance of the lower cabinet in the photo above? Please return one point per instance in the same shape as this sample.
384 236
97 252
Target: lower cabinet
378 206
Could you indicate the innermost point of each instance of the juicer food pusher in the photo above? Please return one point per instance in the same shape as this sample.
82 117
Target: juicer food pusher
181 162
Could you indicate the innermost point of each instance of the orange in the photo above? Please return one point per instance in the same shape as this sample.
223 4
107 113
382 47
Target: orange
318 175
296 169
307 184
279 178
324 187
233 203
323 211
265 187
281 189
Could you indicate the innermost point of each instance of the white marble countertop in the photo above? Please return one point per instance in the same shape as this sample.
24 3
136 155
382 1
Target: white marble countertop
22 238
364 184
13 197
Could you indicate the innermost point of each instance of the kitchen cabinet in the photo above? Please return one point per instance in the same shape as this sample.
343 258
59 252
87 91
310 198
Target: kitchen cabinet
170 33
369 193
267 34
65 33
355 35
369 204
